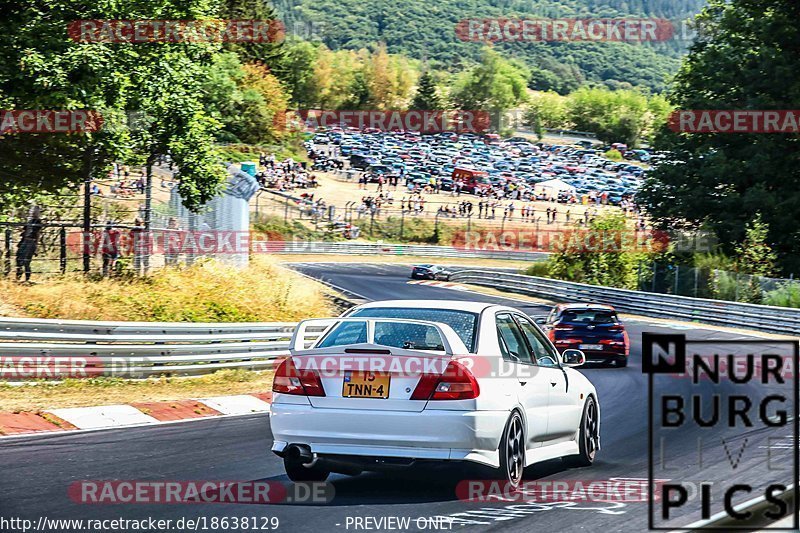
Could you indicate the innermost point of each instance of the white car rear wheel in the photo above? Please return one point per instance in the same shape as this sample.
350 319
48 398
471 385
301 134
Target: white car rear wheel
512 451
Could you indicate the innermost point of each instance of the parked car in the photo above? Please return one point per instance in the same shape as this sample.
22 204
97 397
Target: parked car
472 181
362 161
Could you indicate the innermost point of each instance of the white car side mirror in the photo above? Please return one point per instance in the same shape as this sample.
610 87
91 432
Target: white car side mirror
573 358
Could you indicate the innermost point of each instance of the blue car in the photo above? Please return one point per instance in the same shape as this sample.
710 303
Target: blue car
593 329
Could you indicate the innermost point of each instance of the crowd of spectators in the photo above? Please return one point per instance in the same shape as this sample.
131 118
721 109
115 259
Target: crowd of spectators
286 175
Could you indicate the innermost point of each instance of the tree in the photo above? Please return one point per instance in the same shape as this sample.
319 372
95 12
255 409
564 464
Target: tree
427 97
546 110
270 52
622 115
601 254
264 100
335 80
495 84
755 255
298 74
381 81
359 95
747 57
549 75
248 100
43 68
378 78
755 259
175 120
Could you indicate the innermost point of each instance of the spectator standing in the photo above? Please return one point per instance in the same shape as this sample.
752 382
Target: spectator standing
140 246
110 247
29 240
172 242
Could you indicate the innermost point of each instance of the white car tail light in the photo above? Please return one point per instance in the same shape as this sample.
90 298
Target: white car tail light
290 380
456 383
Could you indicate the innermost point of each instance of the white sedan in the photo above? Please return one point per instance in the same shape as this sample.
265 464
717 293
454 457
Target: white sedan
393 383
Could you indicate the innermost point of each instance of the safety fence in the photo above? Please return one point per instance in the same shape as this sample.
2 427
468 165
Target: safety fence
733 314
467 211
718 284
379 249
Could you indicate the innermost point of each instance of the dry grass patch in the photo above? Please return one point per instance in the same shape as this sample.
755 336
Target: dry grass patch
110 391
206 292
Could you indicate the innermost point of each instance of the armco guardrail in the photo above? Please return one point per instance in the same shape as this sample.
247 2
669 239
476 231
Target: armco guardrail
53 349
750 316
369 248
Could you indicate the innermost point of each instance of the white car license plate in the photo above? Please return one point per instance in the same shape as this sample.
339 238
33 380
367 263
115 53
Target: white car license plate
590 347
358 384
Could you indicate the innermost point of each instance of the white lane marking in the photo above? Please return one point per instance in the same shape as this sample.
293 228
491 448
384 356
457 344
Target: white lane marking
487 515
239 404
106 416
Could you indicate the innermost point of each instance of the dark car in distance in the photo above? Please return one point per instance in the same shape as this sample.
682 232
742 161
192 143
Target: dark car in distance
592 328
433 272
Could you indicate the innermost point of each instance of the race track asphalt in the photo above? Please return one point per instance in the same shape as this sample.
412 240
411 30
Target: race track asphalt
38 470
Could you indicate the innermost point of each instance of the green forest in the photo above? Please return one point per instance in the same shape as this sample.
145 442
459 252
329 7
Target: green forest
425 30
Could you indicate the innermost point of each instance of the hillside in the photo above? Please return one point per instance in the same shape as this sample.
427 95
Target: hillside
425 30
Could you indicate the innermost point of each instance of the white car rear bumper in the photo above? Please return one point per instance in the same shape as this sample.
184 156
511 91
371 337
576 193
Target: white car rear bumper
430 434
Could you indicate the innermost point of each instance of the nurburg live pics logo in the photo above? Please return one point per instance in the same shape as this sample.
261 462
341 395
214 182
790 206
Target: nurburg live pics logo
729 422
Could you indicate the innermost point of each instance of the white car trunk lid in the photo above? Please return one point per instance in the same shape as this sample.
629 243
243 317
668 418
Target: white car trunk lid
388 379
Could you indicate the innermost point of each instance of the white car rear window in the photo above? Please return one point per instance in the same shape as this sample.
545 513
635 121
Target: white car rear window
398 334
463 323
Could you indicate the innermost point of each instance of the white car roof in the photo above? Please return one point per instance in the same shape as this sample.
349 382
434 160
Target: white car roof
460 305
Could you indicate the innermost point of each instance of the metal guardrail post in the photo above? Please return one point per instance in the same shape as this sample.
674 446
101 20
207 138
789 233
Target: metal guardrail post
62 246
7 254
677 278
